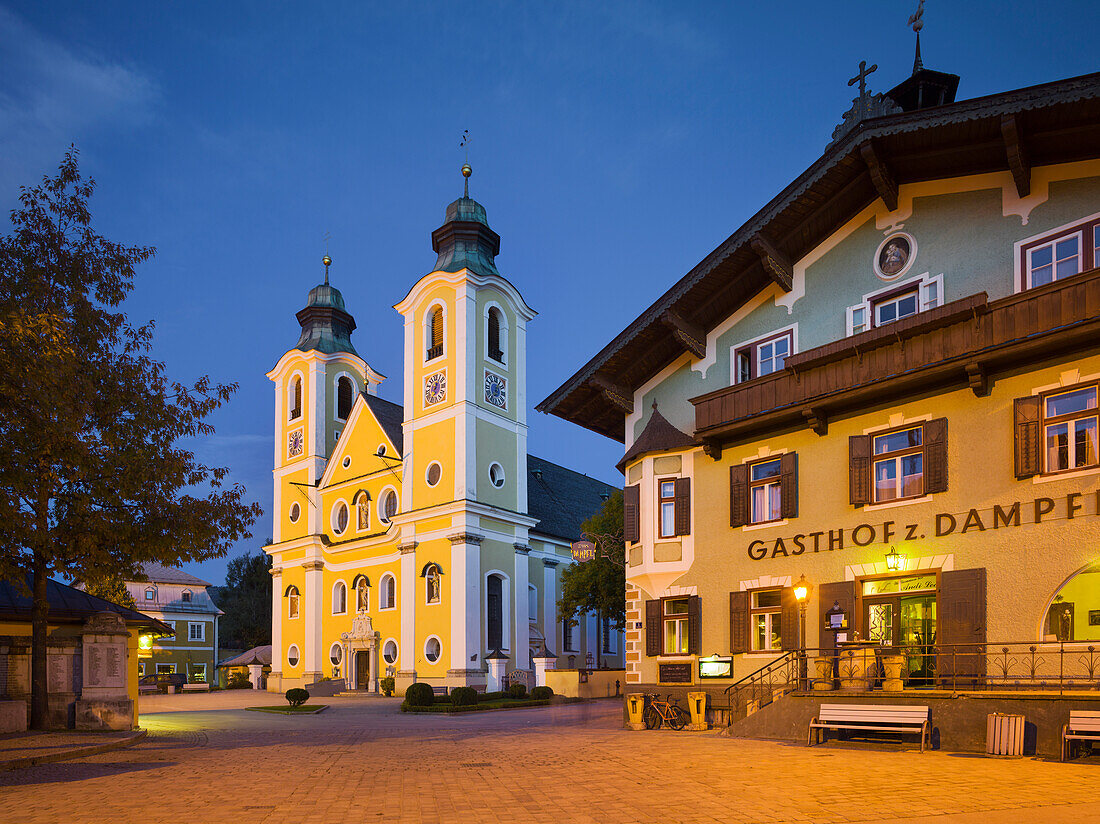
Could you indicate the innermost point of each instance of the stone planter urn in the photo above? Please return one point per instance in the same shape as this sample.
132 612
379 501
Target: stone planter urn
892 665
857 669
824 666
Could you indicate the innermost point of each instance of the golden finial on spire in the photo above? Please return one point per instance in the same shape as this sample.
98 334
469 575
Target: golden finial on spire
467 169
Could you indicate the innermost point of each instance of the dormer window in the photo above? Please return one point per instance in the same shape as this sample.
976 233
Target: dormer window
295 398
186 596
345 395
435 333
150 594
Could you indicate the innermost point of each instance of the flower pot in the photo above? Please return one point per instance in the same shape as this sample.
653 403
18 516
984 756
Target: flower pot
824 666
892 665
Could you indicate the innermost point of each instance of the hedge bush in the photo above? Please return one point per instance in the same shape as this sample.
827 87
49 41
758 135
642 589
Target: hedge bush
517 691
239 681
463 696
542 693
419 695
489 696
297 696
387 685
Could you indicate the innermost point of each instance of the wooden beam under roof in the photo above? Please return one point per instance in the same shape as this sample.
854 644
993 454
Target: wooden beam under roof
618 396
885 184
690 336
775 264
1016 151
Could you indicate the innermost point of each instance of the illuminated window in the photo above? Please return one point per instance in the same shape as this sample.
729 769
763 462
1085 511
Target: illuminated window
292 602
676 625
898 464
766 617
1070 429
765 491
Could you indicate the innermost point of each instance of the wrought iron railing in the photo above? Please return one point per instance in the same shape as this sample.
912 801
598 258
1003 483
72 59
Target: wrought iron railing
780 675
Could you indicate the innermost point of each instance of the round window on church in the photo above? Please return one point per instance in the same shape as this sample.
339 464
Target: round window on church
435 472
340 518
433 649
336 654
389 651
387 506
292 655
496 475
295 512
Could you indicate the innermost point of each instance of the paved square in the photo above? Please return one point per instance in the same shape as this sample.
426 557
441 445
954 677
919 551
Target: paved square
362 760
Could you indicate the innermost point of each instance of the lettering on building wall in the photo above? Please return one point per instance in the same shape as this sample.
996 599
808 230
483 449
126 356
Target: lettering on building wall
1041 510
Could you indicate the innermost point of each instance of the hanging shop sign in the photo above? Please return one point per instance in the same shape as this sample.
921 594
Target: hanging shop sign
583 551
1039 511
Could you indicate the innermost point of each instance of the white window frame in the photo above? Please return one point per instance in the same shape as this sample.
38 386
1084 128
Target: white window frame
396 651
152 590
290 397
427 641
340 502
198 673
1021 262
169 669
929 295
339 657
773 482
770 614
382 592
191 626
297 655
381 504
426 330
335 585
295 512
503 475
427 471
505 608
682 622
791 332
492 304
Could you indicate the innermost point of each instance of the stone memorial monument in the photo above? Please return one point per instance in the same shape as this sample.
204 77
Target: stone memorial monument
104 703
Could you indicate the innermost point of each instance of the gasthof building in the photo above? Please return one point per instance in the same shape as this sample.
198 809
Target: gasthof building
883 386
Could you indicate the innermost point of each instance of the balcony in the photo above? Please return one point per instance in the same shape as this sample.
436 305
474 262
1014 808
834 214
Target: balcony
961 343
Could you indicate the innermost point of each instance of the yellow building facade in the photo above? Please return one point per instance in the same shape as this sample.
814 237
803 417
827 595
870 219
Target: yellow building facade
413 540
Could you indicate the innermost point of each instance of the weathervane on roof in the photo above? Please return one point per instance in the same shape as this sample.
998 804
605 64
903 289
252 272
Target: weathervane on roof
916 20
467 170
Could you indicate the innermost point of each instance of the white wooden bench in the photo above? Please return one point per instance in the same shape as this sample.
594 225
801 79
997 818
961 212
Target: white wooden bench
1084 725
196 687
870 718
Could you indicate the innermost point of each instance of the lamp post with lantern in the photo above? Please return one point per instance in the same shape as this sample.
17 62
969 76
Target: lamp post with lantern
802 595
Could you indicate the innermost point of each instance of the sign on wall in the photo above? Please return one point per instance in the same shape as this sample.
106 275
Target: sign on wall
583 551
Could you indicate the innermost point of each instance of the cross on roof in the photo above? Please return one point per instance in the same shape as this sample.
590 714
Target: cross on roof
861 78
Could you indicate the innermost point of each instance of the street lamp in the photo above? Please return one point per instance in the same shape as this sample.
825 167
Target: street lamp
802 595
894 560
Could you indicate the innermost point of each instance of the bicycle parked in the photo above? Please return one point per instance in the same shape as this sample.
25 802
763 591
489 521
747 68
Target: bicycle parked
657 712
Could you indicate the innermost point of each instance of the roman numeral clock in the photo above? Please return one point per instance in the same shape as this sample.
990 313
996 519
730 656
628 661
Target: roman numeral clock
496 390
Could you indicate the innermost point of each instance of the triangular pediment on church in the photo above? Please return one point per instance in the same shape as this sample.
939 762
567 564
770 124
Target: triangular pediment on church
373 423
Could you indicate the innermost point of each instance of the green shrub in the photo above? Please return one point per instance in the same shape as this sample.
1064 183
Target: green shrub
239 681
387 685
542 693
489 696
297 696
419 695
517 691
463 696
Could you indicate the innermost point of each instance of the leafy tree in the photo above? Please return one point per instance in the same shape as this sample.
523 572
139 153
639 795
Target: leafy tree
111 588
599 585
246 601
93 480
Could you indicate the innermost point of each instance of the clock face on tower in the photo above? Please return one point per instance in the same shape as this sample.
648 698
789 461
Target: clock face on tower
295 442
496 390
435 388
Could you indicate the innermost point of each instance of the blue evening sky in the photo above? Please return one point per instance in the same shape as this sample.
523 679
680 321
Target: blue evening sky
614 145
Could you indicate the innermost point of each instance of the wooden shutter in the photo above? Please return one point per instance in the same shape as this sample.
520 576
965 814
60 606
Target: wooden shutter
683 506
437 328
695 625
859 470
739 495
961 630
788 485
1027 436
935 455
844 594
653 628
631 500
788 627
494 333
740 631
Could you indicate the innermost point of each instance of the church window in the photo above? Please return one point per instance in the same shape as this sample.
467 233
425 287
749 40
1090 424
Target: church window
292 655
532 603
295 512
389 651
387 506
339 598
389 592
495 351
296 398
431 584
496 475
185 596
435 472
345 394
433 649
336 654
340 518
292 602
494 612
362 511
362 594
435 333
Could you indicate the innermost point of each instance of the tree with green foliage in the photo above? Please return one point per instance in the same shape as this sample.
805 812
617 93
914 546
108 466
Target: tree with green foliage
599 585
93 478
111 588
246 601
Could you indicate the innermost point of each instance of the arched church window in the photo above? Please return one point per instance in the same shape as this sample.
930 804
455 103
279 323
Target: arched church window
362 594
495 351
345 394
292 602
435 333
296 398
339 598
389 592
431 583
388 507
494 613
340 518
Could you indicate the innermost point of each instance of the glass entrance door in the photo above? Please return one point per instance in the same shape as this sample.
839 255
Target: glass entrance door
917 631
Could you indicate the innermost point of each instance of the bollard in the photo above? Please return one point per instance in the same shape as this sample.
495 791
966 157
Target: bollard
697 704
635 702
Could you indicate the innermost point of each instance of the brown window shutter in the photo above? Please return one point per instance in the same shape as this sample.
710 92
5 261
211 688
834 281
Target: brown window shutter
1027 436
788 627
788 485
739 495
631 523
961 632
859 470
695 625
740 631
844 594
683 506
935 455
653 627
437 328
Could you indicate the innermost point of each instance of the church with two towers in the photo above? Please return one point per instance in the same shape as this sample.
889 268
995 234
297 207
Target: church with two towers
417 540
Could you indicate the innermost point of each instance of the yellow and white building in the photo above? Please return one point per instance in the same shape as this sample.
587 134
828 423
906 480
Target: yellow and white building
415 540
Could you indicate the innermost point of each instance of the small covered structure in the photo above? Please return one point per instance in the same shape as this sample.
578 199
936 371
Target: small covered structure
256 662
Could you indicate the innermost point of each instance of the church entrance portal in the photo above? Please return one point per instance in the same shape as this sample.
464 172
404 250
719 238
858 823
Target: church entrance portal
362 670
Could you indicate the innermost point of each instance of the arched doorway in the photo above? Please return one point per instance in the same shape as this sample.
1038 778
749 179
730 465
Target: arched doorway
362 669
1073 614
494 612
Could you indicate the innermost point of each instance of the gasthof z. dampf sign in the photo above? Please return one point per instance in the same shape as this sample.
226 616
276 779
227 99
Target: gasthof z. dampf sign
1036 511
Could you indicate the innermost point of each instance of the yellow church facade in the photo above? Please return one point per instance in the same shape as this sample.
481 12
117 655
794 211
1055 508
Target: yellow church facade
416 540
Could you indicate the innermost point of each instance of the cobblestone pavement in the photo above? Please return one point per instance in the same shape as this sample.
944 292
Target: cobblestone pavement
363 761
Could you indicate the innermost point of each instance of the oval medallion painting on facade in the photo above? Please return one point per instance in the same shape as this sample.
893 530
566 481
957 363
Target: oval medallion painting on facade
894 256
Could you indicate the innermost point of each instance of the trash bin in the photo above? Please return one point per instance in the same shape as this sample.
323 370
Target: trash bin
697 704
635 702
1004 734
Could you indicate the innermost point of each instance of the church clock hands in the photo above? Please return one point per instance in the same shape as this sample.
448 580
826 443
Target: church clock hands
435 388
496 390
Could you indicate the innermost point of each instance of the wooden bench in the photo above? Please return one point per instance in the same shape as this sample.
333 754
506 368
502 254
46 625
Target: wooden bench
439 691
870 718
146 689
1084 725
196 687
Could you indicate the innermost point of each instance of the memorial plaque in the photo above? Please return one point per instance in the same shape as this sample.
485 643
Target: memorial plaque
114 665
93 665
674 673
